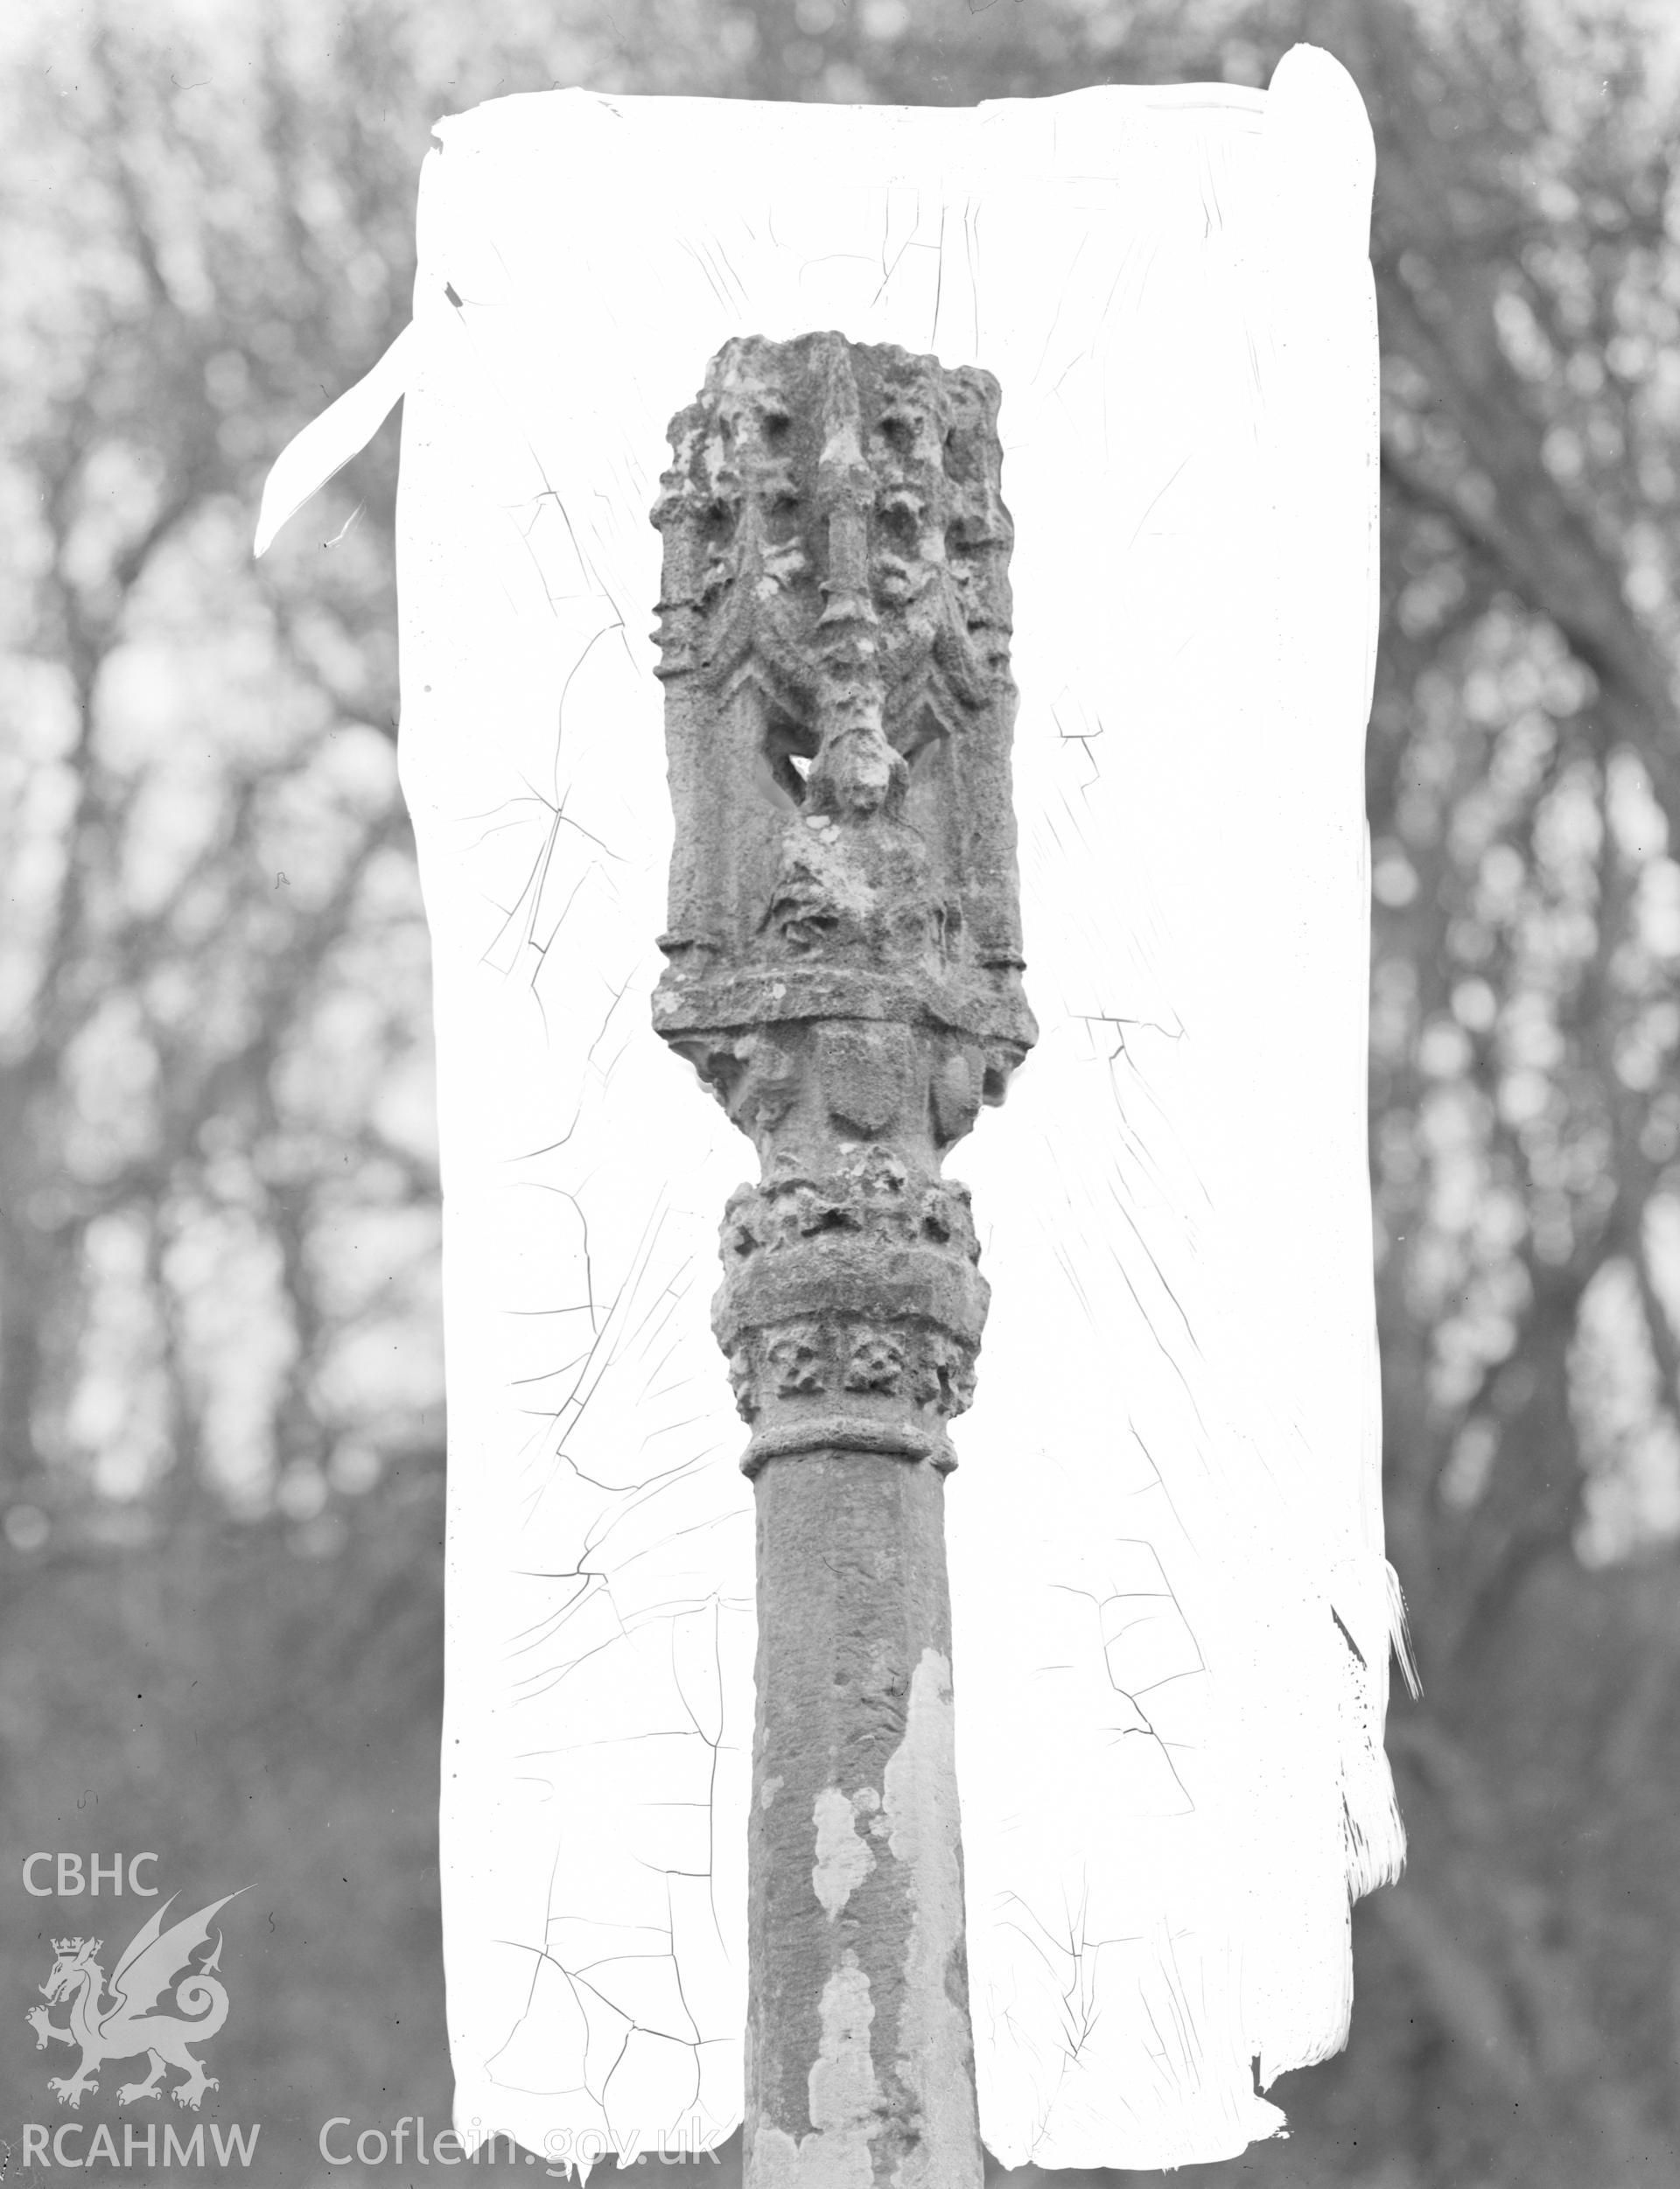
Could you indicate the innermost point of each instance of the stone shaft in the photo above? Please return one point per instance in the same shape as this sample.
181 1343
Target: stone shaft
860 2055
844 974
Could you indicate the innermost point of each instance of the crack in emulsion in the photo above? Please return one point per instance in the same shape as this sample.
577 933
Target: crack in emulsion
597 2083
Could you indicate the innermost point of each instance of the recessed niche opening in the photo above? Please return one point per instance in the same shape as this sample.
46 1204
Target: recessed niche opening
918 740
718 519
921 744
899 525
898 431
789 749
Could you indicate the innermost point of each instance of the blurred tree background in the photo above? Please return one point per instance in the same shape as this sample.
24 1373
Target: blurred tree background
220 1384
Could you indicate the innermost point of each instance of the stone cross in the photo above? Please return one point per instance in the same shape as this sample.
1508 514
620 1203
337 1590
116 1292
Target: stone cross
845 977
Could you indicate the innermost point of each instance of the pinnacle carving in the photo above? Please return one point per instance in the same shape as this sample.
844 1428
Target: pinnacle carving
844 933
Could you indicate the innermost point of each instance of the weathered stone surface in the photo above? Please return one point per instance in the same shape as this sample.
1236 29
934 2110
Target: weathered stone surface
844 929
834 637
845 975
855 1864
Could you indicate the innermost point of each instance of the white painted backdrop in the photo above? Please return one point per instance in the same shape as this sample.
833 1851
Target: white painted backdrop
1171 1611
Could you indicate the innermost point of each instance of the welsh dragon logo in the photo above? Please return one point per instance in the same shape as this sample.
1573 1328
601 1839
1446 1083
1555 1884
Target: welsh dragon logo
155 1961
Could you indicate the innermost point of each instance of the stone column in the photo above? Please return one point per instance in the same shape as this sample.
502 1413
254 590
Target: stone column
845 976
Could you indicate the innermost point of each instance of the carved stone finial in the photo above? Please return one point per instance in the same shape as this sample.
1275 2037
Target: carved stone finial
844 924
